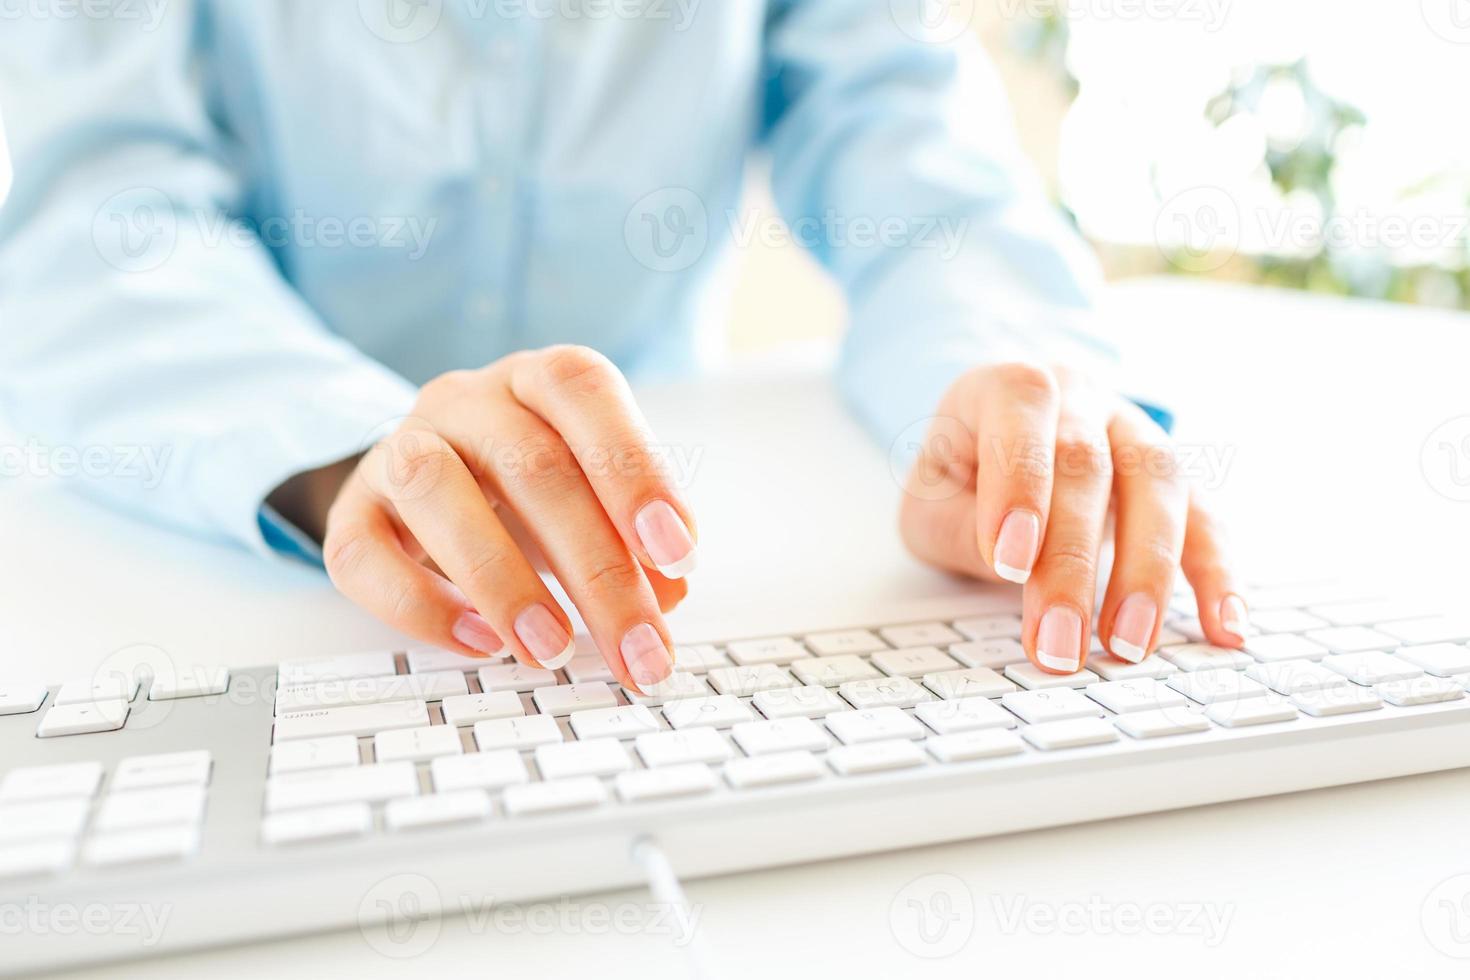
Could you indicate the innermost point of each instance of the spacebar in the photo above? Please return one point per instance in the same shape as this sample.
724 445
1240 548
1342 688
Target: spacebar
356 719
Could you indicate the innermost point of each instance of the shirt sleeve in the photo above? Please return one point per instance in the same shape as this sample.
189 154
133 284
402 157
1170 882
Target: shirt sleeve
894 158
140 318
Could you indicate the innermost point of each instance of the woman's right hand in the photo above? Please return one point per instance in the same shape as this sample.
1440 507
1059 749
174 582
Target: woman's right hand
439 528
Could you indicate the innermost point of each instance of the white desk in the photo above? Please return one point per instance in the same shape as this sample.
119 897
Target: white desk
1325 405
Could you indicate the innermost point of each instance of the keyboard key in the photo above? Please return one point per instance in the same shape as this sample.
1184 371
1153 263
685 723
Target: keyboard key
134 846
742 682
1169 637
774 650
1291 676
719 711
968 746
786 735
893 692
44 819
591 670
51 782
151 807
699 657
356 719
416 744
478 770
833 671
658 749
1285 621
566 794
1341 700
199 682
294 673
568 760
772 770
976 682
463 710
320 823
681 686
517 733
920 635
314 753
563 699
437 809
843 641
662 784
623 721
111 686
1284 646
1202 656
515 677
1251 711
83 719
324 787
1439 659
36 858
1144 694
994 654
1033 678
1070 734
872 725
1059 704
1212 686
1420 690
432 660
852 760
1351 639
1113 669
964 715
1005 626
1369 613
1373 667
371 690
20 698
1433 629
1161 723
914 662
798 702
167 769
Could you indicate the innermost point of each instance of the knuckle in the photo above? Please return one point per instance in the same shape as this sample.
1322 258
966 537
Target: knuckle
612 575
1071 561
579 368
403 600
1030 461
1082 457
487 571
415 460
1030 381
344 550
538 464
448 386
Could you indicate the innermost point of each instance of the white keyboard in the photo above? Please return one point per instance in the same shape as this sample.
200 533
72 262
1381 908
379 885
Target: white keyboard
278 799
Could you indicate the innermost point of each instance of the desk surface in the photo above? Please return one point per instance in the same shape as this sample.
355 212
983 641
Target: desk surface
1310 416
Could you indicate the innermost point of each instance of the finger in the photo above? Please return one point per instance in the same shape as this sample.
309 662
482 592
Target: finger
937 513
547 490
1151 504
584 398
1222 612
439 502
1017 416
366 562
1060 594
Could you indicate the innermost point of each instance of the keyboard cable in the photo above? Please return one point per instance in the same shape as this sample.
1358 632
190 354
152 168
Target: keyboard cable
666 889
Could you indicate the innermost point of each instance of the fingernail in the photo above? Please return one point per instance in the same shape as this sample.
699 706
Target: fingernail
476 634
1059 640
1233 615
544 637
649 662
666 539
1133 628
1015 546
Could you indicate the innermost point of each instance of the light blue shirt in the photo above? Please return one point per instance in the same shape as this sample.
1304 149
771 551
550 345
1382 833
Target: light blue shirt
243 232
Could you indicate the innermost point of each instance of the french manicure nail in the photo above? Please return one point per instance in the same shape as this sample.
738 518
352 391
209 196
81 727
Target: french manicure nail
475 633
1059 640
648 660
1015 546
1233 615
1133 628
544 637
666 539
